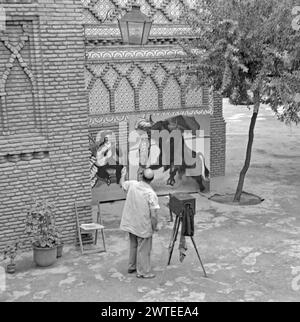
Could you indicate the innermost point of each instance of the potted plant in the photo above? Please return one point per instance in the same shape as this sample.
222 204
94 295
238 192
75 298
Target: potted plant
40 227
59 241
10 252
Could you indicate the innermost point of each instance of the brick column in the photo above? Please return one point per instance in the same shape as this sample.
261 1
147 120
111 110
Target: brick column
218 138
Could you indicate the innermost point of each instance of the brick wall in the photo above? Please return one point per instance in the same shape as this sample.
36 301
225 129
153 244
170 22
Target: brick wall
44 113
217 139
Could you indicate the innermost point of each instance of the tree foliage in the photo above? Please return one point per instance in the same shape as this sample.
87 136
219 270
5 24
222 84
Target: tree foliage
245 46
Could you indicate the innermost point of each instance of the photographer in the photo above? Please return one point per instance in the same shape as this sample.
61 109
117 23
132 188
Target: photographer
139 219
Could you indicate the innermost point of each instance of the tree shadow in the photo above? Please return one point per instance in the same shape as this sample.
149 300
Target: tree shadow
247 199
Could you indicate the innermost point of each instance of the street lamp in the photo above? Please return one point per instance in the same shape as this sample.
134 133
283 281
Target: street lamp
135 26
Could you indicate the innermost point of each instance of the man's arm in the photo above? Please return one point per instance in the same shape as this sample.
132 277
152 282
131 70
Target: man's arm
154 219
154 206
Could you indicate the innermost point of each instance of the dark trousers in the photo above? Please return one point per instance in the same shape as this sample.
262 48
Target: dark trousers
139 254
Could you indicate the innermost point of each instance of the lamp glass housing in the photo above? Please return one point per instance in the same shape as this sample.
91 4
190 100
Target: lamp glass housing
135 27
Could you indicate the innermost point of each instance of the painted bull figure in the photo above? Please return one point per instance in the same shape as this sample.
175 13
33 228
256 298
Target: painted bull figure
181 124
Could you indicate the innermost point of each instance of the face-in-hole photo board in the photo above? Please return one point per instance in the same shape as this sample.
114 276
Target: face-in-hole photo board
177 148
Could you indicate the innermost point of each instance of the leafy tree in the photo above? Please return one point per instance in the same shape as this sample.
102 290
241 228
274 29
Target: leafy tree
248 51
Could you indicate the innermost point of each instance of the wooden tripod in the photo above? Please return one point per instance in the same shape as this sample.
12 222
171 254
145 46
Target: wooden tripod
177 223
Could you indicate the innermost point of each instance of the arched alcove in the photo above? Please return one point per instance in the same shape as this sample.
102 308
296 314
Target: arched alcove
124 96
148 95
172 94
99 98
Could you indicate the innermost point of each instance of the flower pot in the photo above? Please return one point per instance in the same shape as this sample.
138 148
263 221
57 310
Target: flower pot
11 268
44 256
59 250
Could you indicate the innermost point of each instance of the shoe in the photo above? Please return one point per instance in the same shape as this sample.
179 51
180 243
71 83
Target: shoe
131 270
145 276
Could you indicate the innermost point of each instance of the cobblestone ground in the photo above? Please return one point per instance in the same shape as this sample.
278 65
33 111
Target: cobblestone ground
251 253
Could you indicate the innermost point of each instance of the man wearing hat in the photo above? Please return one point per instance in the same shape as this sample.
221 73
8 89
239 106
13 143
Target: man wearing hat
139 219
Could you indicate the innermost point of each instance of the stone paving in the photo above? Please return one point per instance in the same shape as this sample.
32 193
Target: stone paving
251 253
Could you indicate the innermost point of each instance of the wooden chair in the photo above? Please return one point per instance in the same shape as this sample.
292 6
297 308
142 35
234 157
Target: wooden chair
86 228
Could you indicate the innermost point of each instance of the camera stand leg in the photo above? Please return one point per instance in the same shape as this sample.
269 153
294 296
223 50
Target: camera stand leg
171 216
171 247
192 238
174 237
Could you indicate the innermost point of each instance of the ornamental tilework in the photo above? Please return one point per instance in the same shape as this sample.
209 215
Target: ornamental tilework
103 7
99 98
145 8
88 77
134 54
161 11
88 18
111 77
102 32
183 79
114 118
174 9
98 69
148 67
148 96
85 2
140 84
136 76
121 3
159 3
123 68
159 17
112 31
124 97
194 97
172 94
171 66
160 75
192 3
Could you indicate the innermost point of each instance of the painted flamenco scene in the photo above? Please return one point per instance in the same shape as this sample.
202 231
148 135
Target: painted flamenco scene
176 148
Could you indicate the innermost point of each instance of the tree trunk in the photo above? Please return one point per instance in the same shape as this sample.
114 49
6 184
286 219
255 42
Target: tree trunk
243 172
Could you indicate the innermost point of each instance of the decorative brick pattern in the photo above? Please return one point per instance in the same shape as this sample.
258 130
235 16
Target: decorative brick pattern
165 90
172 94
124 97
167 11
149 96
19 71
99 98
44 135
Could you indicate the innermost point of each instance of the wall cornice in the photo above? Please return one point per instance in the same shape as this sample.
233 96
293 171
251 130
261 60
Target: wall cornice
130 53
111 31
96 120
